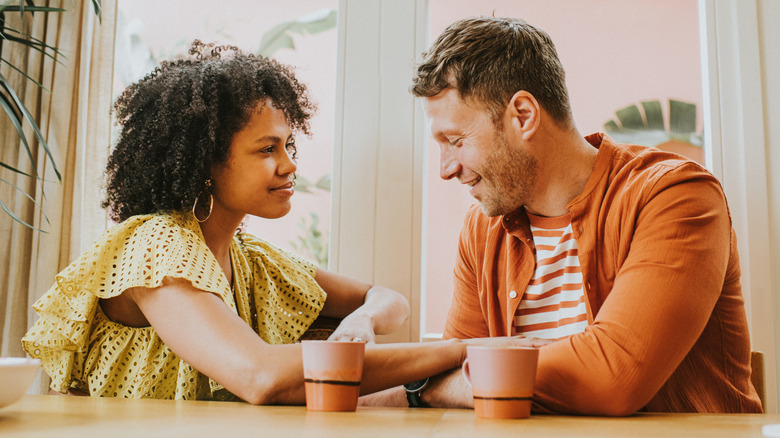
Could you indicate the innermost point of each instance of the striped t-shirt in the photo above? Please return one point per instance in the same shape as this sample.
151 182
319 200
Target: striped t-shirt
554 303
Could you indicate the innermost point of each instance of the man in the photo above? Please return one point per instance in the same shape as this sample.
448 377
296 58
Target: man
621 258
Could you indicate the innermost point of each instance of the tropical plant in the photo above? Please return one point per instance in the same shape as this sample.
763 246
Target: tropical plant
279 37
12 105
648 128
312 242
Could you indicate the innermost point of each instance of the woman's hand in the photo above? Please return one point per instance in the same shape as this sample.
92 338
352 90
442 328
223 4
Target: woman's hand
366 310
357 326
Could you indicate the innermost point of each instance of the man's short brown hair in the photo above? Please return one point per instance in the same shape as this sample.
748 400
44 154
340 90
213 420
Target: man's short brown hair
489 59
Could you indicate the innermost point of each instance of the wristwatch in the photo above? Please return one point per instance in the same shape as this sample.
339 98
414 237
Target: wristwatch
414 393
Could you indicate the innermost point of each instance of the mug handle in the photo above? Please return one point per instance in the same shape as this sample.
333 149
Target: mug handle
466 373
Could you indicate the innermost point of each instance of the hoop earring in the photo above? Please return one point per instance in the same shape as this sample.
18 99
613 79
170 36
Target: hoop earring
211 203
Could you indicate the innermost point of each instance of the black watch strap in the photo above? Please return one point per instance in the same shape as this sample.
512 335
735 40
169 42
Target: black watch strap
414 393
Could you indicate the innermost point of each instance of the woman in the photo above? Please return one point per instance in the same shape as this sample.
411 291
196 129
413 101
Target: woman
172 302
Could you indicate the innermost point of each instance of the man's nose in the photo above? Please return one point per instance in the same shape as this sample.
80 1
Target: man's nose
450 167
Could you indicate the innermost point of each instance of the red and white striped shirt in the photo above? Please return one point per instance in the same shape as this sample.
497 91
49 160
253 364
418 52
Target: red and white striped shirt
554 302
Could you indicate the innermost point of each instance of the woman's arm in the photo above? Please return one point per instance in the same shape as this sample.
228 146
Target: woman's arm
205 333
366 310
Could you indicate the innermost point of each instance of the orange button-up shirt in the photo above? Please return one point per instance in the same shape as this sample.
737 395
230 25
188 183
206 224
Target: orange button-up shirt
667 327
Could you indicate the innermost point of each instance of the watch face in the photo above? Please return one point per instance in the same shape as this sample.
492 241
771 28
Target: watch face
416 386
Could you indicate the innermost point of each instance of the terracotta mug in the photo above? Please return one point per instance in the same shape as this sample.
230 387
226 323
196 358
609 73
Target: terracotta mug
331 373
501 379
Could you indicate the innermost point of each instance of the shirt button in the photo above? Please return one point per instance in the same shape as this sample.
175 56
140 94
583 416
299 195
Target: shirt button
513 294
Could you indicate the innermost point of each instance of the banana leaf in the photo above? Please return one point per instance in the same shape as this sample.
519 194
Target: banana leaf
647 127
280 36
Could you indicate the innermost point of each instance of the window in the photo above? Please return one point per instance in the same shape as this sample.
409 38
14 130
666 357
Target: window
145 37
616 54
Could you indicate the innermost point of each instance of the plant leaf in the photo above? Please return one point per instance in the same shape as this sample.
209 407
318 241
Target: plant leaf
18 219
14 8
32 122
13 169
324 182
96 4
682 116
40 208
654 116
32 43
26 76
302 184
630 117
279 37
16 121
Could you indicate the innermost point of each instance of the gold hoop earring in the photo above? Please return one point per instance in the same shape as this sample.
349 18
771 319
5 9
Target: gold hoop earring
211 203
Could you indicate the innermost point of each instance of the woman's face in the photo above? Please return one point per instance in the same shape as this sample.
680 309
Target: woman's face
257 176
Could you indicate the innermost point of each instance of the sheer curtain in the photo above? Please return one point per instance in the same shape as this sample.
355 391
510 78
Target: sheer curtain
74 117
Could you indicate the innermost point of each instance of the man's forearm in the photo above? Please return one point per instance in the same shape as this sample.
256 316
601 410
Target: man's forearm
447 390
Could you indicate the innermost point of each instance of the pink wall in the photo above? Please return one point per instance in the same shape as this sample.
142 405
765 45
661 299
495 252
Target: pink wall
615 52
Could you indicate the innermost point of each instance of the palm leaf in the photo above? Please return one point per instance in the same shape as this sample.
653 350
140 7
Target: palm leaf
4 83
17 122
26 75
279 37
648 127
324 182
20 190
96 4
31 43
23 9
17 218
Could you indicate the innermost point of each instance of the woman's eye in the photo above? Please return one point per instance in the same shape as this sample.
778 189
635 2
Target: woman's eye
268 151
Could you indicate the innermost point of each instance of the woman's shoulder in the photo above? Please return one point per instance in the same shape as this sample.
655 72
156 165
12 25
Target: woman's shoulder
259 250
141 251
156 224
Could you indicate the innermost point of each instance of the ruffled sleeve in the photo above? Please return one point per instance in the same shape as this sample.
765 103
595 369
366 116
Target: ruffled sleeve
139 252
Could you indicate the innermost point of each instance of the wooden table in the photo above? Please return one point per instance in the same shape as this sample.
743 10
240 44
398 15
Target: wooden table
59 416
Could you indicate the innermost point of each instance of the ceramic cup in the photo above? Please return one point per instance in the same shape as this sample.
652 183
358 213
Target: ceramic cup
332 372
501 379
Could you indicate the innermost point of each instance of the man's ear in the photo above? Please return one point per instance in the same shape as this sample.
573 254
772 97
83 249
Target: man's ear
524 114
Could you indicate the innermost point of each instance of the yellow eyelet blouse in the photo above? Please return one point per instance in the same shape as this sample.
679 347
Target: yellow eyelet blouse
81 348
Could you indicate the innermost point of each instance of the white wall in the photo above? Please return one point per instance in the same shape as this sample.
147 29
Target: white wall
740 56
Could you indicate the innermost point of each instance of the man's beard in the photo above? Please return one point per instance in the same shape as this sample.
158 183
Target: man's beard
509 176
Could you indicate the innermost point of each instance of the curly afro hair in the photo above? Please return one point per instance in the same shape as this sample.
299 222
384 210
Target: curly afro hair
179 121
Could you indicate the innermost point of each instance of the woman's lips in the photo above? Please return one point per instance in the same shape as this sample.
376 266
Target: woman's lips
285 189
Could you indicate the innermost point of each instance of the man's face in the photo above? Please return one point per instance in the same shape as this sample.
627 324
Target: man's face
499 172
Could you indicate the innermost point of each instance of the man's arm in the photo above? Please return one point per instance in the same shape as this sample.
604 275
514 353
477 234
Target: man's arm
661 300
447 390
